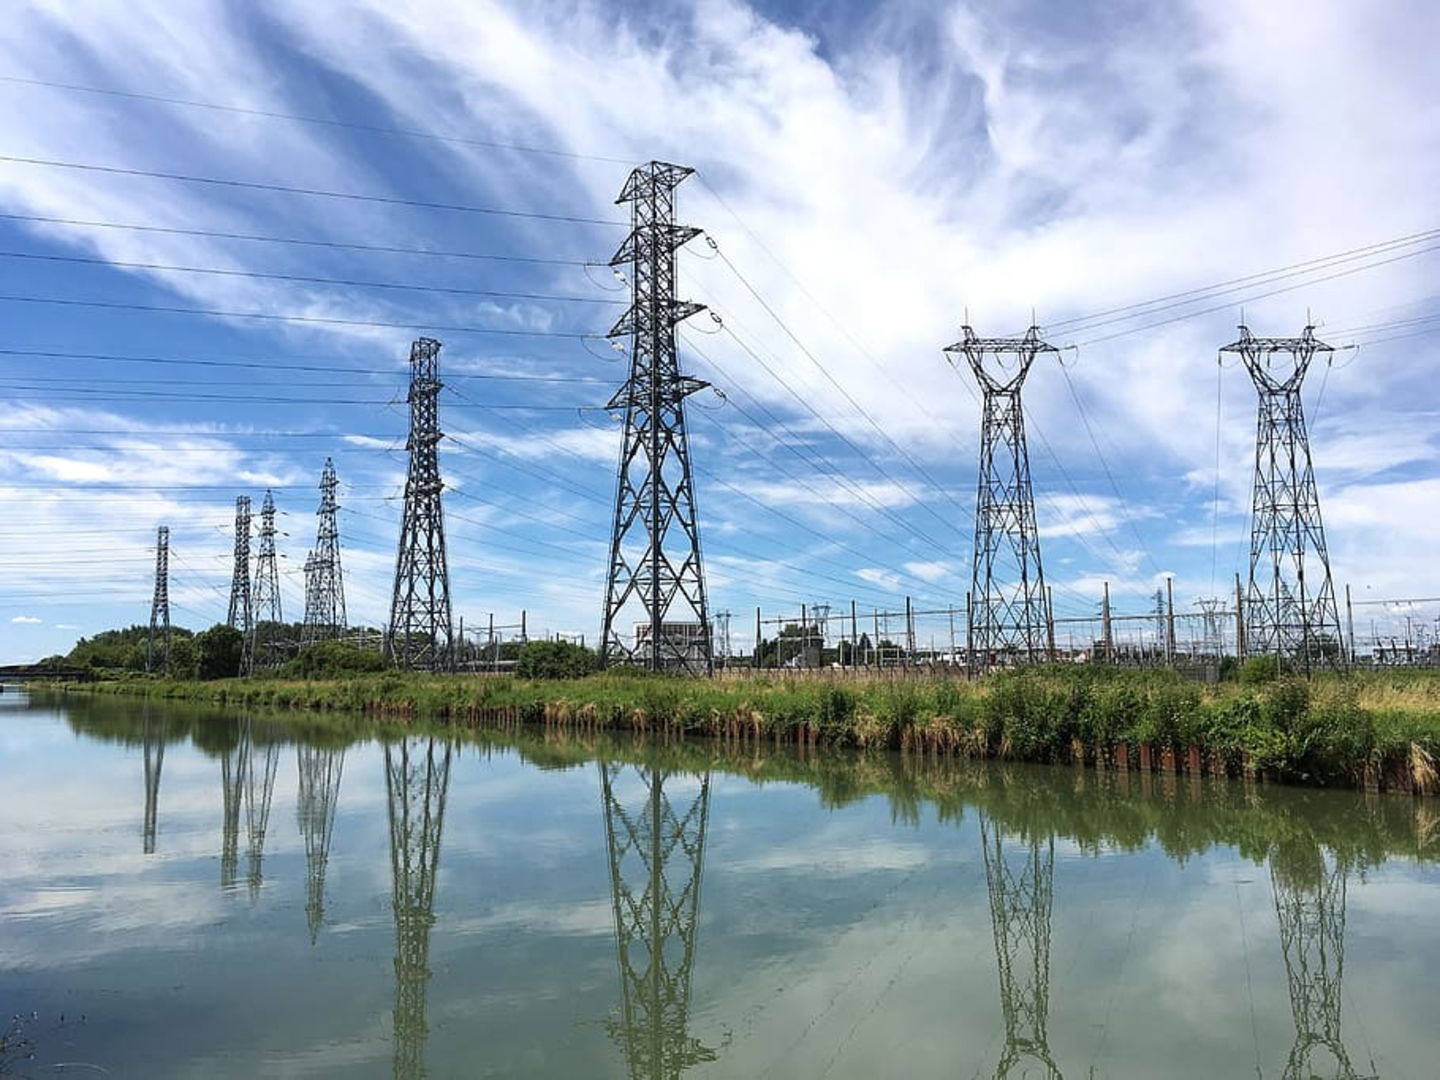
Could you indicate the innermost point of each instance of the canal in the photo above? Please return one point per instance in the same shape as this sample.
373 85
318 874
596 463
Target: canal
191 893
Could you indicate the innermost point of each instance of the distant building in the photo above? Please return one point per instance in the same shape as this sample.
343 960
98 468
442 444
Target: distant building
681 643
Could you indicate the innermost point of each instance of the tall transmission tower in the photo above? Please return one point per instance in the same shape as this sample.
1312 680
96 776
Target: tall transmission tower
656 858
324 582
234 766
160 603
259 793
1290 608
1009 607
420 625
240 615
320 769
1020 882
655 582
417 780
266 626
153 734
1310 903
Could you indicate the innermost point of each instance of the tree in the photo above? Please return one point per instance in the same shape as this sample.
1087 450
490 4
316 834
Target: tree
218 652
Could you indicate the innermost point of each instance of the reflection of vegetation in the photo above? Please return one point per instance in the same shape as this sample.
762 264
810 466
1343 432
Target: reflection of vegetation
1333 730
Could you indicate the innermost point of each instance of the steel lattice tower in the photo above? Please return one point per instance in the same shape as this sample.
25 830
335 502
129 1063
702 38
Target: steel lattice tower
420 625
1009 607
324 582
1288 613
259 792
655 581
266 625
319 792
240 616
1020 883
656 859
417 779
160 603
234 765
154 750
1310 903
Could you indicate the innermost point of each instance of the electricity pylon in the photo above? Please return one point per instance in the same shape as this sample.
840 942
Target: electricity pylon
245 788
656 859
160 603
1310 903
318 795
240 610
265 629
154 751
234 765
1290 610
420 625
655 581
324 582
417 779
1009 606
1020 882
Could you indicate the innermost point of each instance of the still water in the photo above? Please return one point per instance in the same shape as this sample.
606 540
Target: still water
199 894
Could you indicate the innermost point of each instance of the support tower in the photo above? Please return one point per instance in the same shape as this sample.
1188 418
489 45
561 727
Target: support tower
240 610
417 780
420 625
320 769
1290 608
655 582
324 583
160 603
1019 872
1009 607
153 734
265 649
656 858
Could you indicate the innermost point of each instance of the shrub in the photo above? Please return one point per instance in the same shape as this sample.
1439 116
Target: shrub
555 660
327 659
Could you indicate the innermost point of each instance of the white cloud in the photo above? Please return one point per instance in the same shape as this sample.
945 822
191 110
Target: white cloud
26 619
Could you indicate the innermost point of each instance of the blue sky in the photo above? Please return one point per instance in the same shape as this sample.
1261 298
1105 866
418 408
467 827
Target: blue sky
873 173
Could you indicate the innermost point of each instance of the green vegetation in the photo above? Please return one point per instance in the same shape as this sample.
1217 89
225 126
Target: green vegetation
555 660
1369 728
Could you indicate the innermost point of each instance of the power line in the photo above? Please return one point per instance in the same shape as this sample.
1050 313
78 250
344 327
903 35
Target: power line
303 278
374 129
316 320
287 189
213 234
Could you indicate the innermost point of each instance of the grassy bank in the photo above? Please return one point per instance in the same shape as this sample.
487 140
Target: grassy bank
1367 729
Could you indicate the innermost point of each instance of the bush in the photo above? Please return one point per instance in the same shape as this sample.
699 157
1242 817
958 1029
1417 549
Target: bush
327 659
555 660
1259 670
218 652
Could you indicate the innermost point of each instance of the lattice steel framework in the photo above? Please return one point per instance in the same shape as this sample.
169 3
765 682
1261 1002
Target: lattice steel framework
1310 903
160 603
1009 606
1019 873
259 793
153 734
656 859
319 792
324 582
1290 609
656 578
420 623
265 650
234 765
417 780
240 614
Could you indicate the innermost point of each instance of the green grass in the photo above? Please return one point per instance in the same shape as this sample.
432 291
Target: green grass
1339 731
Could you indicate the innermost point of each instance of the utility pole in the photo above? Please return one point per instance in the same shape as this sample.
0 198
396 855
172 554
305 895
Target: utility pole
325 600
655 572
1007 579
420 626
1240 649
1350 623
265 629
1170 621
160 603
1107 635
1292 615
240 612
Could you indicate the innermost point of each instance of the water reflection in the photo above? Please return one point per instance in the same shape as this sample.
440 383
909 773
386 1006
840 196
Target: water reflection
1020 871
317 795
832 882
417 780
1310 902
656 842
